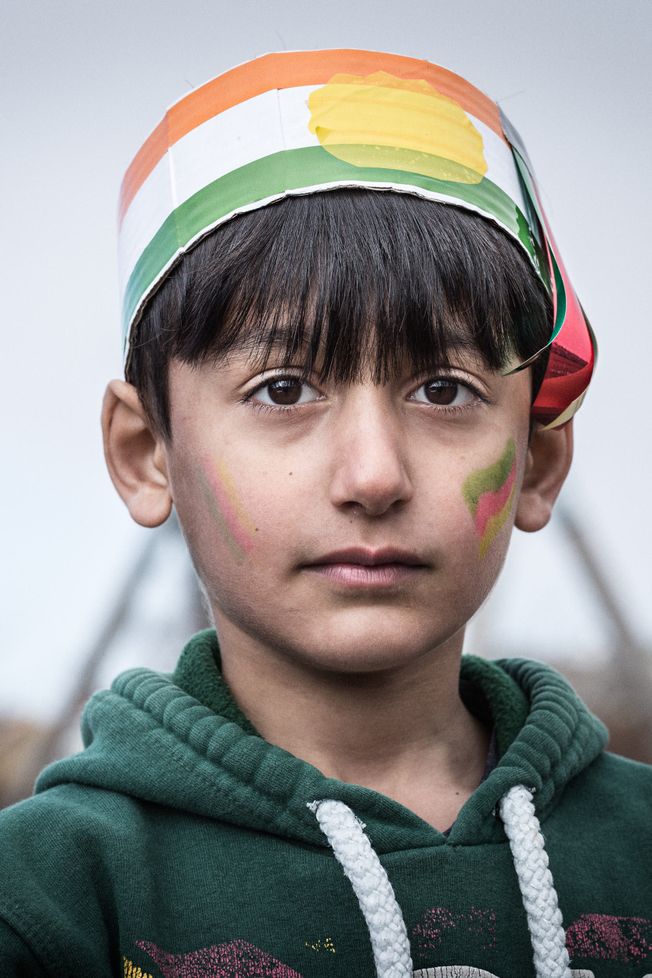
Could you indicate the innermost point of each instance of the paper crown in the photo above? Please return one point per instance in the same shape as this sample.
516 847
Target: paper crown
307 121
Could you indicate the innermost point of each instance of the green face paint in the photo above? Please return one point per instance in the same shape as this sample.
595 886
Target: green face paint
489 494
222 499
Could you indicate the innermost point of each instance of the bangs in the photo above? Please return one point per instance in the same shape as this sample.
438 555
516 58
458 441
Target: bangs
348 283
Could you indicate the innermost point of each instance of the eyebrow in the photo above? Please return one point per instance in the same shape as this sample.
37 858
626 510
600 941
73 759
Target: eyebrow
266 340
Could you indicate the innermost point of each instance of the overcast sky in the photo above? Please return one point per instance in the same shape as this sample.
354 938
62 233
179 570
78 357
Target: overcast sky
83 83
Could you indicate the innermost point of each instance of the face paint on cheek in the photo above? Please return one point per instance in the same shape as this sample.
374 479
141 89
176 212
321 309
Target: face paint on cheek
489 494
221 495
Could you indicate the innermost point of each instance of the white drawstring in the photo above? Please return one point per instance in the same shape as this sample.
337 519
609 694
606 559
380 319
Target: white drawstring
353 850
389 939
535 881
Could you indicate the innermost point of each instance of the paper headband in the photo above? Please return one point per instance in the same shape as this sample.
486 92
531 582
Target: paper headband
307 121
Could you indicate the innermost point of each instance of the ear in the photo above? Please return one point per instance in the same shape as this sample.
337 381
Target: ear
548 460
135 455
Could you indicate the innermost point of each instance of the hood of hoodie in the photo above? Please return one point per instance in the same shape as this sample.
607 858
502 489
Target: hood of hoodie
181 741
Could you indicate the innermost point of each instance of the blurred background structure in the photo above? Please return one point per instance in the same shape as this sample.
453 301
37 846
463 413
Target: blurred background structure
85 592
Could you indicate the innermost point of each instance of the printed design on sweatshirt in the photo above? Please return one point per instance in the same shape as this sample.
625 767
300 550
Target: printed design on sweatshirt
319 945
131 970
603 937
597 937
473 924
453 971
465 971
235 959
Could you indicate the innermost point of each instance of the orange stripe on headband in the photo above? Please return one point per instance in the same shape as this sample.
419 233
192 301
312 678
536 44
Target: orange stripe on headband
291 70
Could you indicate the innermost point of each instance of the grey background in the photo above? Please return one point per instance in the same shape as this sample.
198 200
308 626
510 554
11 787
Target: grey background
83 83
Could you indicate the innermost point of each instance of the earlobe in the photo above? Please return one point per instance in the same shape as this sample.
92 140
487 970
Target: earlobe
548 460
135 455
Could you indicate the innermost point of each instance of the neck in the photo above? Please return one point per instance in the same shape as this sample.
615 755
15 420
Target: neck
404 732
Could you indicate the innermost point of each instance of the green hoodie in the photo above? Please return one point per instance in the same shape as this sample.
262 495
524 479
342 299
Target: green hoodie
180 844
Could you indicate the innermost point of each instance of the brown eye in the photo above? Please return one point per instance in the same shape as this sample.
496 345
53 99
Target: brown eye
441 391
284 392
444 392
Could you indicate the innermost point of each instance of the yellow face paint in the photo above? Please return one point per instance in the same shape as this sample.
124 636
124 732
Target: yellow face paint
232 519
380 120
489 494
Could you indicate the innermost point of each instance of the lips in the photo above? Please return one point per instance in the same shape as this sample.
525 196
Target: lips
362 570
370 558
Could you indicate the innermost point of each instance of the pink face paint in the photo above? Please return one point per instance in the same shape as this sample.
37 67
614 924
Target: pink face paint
221 495
489 494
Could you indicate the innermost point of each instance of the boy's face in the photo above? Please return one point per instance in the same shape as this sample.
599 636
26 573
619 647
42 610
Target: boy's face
272 478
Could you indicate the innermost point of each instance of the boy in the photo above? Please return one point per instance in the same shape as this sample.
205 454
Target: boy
353 357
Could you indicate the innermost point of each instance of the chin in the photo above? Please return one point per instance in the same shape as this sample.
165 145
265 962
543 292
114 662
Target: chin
375 650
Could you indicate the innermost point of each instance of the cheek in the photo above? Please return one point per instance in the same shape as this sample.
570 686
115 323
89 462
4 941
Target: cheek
225 507
489 495
241 514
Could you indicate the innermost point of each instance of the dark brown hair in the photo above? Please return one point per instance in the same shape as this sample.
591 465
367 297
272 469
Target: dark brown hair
337 276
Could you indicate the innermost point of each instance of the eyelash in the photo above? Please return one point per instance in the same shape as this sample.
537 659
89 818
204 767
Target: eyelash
453 409
248 398
273 408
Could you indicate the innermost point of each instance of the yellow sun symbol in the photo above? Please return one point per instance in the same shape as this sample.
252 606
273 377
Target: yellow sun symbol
380 120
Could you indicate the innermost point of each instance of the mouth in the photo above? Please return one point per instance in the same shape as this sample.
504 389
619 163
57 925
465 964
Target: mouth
358 567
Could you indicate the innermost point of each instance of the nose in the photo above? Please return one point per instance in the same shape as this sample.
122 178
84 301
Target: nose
369 451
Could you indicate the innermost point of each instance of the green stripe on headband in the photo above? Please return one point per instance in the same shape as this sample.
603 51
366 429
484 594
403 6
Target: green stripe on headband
303 171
